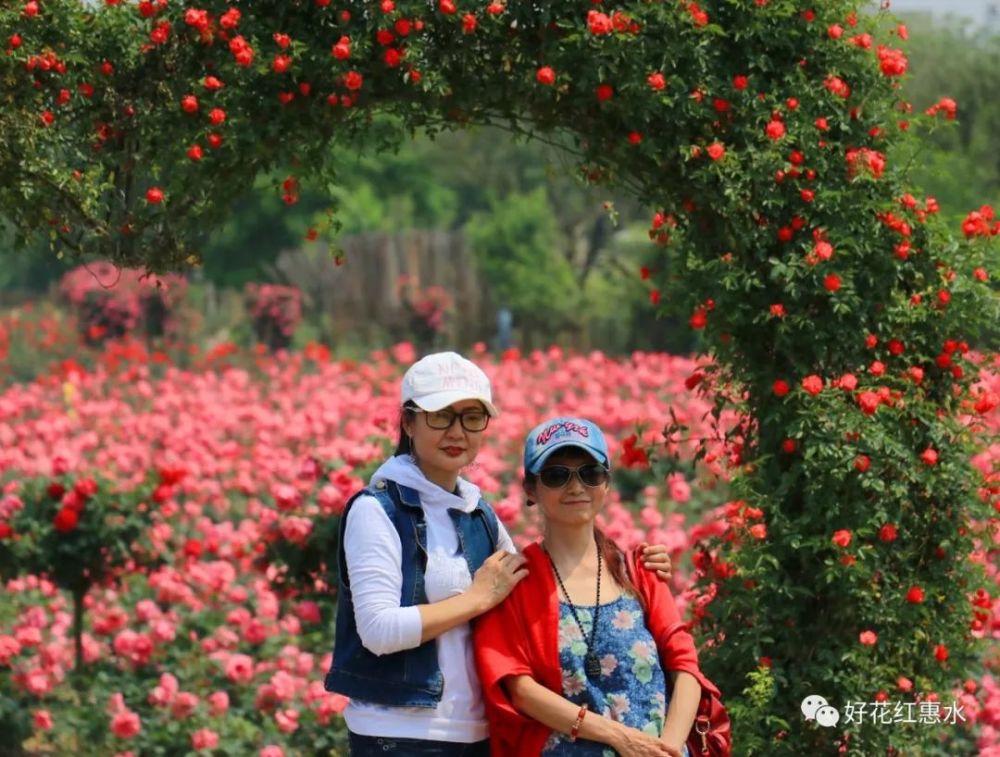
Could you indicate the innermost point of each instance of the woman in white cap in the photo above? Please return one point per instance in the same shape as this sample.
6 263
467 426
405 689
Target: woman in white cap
420 555
588 655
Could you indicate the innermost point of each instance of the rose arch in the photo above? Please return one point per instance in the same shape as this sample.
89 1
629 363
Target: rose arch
771 144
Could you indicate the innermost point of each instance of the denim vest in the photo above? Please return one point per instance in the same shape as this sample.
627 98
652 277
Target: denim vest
411 677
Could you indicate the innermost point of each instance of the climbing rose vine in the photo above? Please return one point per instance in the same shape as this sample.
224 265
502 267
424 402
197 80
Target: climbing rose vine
841 315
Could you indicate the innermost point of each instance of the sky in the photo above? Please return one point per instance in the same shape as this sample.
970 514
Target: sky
977 10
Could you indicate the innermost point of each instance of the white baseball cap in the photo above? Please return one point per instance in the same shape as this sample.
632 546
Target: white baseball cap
436 381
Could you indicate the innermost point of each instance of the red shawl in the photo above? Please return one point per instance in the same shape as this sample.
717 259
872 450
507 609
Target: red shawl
520 637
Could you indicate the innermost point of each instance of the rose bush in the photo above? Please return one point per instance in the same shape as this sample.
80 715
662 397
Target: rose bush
111 302
275 312
771 144
226 635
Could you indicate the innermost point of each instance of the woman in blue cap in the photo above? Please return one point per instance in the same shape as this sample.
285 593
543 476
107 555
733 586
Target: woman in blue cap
420 555
588 655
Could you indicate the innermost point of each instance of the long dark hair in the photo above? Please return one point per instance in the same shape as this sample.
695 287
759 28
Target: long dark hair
403 446
612 555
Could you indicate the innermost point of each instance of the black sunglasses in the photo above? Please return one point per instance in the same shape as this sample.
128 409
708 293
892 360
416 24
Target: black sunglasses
557 476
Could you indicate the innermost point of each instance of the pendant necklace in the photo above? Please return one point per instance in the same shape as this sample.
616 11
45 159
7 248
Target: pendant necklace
591 664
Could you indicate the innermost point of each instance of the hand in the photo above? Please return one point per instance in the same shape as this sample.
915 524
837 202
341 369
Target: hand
631 742
655 557
496 578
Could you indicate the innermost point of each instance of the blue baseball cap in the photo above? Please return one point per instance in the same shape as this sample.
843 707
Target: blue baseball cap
559 433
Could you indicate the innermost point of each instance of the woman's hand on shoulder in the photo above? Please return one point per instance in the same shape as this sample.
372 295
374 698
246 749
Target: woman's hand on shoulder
655 558
497 577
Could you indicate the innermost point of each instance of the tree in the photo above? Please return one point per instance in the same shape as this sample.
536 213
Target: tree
838 309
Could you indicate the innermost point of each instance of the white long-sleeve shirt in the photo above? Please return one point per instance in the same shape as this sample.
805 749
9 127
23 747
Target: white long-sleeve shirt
374 561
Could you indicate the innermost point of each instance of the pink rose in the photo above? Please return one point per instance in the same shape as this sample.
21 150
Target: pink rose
204 738
43 720
287 720
126 724
184 705
680 490
239 668
218 703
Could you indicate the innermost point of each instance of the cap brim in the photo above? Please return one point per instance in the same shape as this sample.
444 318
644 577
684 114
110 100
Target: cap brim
441 400
598 456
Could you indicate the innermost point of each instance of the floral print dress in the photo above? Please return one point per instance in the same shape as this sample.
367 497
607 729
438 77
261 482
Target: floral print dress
631 689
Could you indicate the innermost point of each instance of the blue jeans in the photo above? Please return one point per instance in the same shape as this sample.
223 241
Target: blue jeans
376 746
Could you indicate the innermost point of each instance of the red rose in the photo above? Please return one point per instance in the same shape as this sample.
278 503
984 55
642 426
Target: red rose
877 368
929 456
740 82
392 57
495 9
189 104
5 530
194 152
85 487
342 50
546 76
775 130
217 116
831 282
447 7
888 533
154 195
212 84
758 531
65 521
778 310
230 19
468 23
941 653
74 501
848 382
862 463
214 141
915 595
868 638
605 92
654 297
716 150
812 384
698 319
693 380
869 402
281 64
780 388
657 81
353 80
788 446
842 538
599 23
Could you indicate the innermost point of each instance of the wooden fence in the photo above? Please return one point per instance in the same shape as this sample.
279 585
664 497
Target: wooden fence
363 297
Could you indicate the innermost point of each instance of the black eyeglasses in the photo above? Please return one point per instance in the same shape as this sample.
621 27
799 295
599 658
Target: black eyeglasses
557 476
471 420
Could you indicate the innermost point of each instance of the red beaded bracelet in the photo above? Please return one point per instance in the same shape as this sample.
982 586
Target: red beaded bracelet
575 731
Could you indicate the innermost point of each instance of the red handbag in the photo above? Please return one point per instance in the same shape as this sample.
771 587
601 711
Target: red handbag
712 734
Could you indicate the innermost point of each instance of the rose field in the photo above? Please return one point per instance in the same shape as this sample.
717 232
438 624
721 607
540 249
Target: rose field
200 506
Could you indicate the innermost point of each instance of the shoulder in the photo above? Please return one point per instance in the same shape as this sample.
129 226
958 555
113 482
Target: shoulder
368 512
